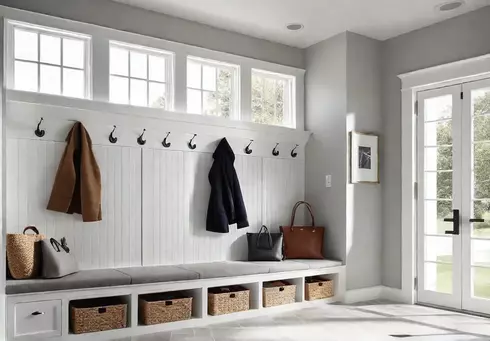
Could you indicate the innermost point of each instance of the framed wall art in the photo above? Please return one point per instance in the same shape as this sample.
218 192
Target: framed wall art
364 161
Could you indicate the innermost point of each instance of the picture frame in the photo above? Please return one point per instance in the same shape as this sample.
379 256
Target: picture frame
364 158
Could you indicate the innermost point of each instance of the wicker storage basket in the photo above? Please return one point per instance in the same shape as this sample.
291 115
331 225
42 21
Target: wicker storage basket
318 288
24 256
226 300
95 315
163 308
278 293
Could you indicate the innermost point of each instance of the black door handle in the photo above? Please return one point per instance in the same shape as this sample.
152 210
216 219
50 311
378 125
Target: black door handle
477 220
455 221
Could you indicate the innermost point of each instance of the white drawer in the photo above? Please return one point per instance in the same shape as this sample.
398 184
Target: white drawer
42 318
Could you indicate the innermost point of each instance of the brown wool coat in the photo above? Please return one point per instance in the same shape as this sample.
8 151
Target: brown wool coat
77 186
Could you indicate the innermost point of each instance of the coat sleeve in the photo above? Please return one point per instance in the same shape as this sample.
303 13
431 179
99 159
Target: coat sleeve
217 217
238 203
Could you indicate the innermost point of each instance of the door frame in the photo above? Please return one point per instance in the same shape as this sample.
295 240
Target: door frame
440 76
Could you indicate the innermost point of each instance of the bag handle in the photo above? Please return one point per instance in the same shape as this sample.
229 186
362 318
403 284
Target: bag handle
264 228
57 246
308 206
31 228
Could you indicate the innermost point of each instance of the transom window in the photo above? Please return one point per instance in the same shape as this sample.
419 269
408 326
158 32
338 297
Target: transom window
140 76
272 98
212 88
50 61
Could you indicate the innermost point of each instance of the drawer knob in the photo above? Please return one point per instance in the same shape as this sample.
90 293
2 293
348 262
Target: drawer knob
37 313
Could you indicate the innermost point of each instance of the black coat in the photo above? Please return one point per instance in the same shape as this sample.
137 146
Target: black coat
226 204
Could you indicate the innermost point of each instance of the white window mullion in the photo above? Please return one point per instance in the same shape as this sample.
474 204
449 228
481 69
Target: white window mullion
244 88
100 71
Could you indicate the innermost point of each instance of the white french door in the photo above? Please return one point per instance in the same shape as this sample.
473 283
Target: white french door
453 210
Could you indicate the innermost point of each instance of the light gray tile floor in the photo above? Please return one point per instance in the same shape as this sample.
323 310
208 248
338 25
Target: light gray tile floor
377 321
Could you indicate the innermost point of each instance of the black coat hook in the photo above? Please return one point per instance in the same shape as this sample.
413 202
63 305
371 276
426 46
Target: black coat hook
140 140
165 143
249 151
293 152
39 132
112 139
275 152
190 145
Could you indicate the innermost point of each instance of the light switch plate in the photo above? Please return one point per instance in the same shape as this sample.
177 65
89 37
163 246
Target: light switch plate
328 181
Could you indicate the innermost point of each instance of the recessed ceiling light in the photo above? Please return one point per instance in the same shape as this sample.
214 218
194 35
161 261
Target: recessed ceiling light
295 27
450 6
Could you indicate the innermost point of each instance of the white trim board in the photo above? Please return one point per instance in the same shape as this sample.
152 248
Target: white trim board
373 293
413 82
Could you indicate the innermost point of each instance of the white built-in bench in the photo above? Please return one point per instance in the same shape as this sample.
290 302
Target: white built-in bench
51 297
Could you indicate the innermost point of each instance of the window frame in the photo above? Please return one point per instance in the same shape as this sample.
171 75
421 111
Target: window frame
289 110
12 25
234 69
148 51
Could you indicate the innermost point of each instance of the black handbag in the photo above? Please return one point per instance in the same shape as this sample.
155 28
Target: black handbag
265 246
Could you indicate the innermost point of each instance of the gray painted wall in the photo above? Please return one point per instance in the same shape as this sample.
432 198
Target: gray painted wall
342 86
364 216
131 19
326 107
460 38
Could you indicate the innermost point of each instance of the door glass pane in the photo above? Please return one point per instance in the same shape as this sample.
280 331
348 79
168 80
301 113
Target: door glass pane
438 108
481 171
481 210
481 282
438 133
439 249
480 106
438 158
480 252
435 212
438 277
438 185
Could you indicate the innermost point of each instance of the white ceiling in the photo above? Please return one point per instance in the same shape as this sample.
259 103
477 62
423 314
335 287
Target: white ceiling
266 19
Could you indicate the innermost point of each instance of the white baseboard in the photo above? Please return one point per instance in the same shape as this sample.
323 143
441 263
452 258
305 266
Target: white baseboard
373 293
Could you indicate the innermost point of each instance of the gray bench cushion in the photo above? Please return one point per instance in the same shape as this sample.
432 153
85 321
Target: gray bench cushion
286 265
80 280
319 263
156 274
225 269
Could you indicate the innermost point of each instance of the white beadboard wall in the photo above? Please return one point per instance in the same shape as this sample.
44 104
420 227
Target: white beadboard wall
154 203
113 242
154 200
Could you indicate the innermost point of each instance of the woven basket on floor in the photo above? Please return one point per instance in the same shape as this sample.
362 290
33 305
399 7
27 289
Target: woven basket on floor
164 308
228 300
24 253
278 293
88 316
318 288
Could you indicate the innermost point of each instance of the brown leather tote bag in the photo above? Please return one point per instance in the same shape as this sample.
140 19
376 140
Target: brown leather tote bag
303 242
